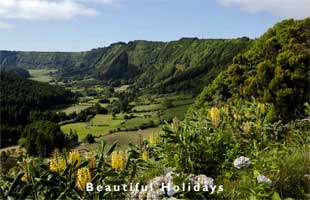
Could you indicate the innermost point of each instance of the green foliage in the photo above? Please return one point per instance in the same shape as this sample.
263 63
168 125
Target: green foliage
20 96
89 139
207 143
274 70
42 137
60 176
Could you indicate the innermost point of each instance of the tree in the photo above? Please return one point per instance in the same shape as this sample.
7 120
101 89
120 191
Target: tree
100 110
89 138
42 137
168 103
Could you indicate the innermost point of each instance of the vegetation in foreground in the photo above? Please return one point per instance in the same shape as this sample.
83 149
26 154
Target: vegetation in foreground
276 151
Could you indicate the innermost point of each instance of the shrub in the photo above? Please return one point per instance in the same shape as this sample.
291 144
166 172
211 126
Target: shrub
42 137
89 138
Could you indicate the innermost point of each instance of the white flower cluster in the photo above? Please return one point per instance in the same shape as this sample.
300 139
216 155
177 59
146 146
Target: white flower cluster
156 191
155 188
202 180
242 162
263 179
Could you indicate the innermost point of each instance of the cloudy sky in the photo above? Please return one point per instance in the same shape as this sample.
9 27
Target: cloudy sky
76 25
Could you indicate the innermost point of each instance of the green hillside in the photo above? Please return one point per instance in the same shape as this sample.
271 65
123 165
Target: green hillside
274 70
20 97
164 66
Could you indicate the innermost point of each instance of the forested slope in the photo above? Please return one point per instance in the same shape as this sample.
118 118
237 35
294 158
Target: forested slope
178 65
19 96
274 70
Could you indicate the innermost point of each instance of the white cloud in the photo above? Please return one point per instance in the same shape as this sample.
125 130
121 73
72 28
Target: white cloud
6 26
43 9
279 8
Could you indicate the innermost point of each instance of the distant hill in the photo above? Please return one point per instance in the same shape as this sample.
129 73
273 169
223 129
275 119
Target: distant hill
163 66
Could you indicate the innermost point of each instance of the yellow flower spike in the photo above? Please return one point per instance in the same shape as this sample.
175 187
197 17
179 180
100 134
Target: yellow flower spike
114 160
24 178
118 160
247 115
261 108
83 177
152 140
225 109
237 116
122 160
74 158
145 156
58 164
92 162
247 127
175 124
215 115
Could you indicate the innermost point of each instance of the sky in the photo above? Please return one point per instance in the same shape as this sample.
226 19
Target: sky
79 25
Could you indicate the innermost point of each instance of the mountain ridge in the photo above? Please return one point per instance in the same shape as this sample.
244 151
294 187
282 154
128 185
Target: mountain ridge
145 63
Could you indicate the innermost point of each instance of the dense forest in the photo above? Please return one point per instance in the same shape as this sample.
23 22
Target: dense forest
274 70
19 97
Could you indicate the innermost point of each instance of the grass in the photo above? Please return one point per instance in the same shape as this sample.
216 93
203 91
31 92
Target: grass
150 107
183 102
41 75
136 122
83 128
99 125
123 138
103 124
74 108
106 120
121 88
178 112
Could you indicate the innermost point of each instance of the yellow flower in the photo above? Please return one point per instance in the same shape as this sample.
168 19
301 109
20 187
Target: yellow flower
92 162
118 160
237 116
58 164
247 127
74 158
83 177
215 116
175 124
145 156
225 109
24 178
261 108
152 140
247 115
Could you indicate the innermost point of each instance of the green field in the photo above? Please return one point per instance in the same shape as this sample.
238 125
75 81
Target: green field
123 138
178 112
150 107
183 102
135 122
103 124
74 108
107 120
148 111
42 75
99 125
84 128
